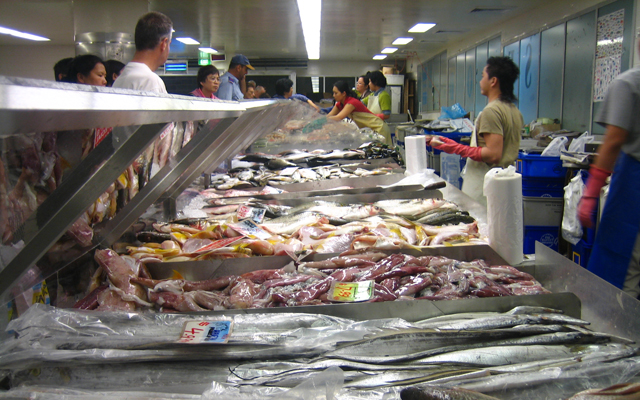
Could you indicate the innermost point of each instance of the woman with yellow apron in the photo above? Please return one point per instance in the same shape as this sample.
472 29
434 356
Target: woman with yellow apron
348 105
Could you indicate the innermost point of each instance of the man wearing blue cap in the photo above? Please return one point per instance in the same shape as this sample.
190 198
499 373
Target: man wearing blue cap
230 82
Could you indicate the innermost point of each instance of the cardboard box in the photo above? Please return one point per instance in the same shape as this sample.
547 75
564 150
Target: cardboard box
544 128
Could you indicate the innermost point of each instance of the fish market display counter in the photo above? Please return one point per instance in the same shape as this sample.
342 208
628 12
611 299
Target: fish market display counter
543 345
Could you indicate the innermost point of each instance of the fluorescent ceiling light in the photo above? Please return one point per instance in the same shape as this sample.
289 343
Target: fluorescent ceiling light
187 40
379 57
208 50
310 18
315 84
421 27
22 35
389 50
402 40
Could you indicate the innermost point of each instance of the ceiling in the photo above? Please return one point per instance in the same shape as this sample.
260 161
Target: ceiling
352 30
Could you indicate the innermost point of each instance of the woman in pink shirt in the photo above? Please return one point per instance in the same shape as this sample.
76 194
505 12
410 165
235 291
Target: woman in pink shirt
348 105
208 82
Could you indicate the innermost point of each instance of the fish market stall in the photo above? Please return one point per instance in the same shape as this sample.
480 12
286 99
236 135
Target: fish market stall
363 323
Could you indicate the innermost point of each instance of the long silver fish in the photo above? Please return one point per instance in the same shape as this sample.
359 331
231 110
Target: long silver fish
439 393
290 223
409 207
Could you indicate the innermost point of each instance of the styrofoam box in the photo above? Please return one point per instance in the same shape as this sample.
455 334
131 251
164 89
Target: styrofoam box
542 211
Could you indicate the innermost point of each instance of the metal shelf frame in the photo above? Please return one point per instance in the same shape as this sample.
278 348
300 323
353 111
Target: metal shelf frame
138 118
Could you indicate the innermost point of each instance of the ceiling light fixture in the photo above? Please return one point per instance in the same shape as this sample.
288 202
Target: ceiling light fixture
421 27
389 50
379 56
402 40
187 40
310 18
23 35
208 50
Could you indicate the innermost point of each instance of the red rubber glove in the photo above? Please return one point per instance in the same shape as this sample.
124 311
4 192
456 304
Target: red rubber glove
381 116
589 200
452 147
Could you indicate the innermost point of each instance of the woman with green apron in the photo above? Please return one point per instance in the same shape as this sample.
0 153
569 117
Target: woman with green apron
379 101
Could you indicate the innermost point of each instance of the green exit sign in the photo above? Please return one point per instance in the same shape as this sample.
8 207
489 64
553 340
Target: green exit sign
204 58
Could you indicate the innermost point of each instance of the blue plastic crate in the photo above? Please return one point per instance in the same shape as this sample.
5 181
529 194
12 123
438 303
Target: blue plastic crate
549 187
581 252
547 235
537 166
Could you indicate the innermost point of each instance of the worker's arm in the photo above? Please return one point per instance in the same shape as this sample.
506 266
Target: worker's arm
312 104
600 170
346 110
334 110
490 154
384 100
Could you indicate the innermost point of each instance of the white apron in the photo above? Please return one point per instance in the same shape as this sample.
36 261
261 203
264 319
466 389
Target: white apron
373 105
473 174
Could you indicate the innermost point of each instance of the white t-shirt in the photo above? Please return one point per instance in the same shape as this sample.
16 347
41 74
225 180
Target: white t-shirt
138 76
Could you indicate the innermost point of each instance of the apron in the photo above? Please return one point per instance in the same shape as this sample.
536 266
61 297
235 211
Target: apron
367 120
473 174
373 105
619 224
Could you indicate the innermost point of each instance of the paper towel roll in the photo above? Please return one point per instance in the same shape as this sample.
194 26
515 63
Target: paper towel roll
503 189
415 154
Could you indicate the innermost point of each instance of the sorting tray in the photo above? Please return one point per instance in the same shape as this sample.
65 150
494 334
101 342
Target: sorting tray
409 310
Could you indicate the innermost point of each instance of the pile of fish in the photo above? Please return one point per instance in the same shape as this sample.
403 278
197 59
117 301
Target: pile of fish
525 353
320 226
298 166
398 276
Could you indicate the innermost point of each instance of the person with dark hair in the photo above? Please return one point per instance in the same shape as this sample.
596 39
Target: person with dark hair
615 256
362 87
208 81
348 105
284 90
114 67
379 101
61 68
87 69
153 38
496 137
231 81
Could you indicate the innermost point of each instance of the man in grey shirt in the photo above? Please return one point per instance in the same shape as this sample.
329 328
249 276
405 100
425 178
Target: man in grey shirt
616 252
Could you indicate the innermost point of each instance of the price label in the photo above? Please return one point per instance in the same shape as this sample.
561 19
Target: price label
197 332
100 134
249 228
255 214
350 292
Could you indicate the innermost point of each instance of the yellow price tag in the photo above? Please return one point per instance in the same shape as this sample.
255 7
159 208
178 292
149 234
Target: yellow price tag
351 291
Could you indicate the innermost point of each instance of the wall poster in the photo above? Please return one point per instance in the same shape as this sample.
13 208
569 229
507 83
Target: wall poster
608 52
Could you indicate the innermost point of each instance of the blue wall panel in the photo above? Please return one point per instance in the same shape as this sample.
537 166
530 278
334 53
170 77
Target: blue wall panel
529 74
494 47
469 82
451 87
578 72
481 61
460 61
551 66
513 51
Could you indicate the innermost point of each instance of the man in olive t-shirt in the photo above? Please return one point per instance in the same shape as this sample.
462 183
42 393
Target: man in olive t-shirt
496 137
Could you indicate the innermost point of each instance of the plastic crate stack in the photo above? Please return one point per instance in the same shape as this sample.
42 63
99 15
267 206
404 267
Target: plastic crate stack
543 181
447 166
581 251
